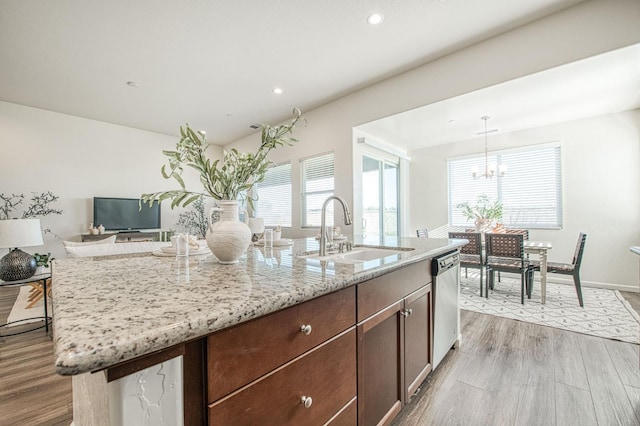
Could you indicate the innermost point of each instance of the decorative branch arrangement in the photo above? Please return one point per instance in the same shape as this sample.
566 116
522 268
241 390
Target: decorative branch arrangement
482 209
39 206
229 179
9 204
195 220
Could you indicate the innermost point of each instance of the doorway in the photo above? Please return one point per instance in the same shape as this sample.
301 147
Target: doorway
380 196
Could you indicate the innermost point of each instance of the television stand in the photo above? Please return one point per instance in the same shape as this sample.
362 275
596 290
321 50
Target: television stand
124 236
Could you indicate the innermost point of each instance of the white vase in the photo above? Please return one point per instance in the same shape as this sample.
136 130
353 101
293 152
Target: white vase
483 225
228 238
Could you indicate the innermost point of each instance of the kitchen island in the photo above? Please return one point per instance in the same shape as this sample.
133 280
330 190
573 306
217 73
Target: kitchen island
122 315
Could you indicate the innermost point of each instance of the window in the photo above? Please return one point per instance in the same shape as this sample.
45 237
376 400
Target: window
530 191
380 196
317 185
274 196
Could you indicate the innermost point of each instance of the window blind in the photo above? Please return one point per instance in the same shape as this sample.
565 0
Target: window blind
274 196
317 185
530 191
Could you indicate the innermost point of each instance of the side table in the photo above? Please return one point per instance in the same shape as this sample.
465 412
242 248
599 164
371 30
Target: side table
40 280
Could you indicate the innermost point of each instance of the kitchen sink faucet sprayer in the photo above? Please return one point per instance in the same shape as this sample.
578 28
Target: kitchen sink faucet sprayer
323 220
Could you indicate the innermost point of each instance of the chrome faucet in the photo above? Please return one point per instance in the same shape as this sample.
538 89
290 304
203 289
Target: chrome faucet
323 221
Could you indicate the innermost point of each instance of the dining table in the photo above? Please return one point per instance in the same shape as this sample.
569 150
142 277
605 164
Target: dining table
540 248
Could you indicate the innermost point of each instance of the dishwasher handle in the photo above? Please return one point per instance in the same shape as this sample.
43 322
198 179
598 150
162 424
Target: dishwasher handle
442 264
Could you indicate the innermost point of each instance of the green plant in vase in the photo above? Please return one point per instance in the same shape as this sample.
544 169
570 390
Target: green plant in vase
482 212
227 180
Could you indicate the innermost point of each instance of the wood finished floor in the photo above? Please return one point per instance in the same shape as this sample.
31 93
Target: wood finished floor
31 393
505 373
508 372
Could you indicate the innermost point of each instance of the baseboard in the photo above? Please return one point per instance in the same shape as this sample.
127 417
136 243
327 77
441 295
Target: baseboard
594 284
556 279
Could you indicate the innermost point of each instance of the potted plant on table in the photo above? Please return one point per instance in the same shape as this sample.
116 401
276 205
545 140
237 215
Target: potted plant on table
228 181
483 212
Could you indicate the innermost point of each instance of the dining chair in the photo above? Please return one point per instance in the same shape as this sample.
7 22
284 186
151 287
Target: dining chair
471 254
572 268
525 234
422 233
505 253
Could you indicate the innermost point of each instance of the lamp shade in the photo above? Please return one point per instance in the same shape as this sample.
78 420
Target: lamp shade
20 233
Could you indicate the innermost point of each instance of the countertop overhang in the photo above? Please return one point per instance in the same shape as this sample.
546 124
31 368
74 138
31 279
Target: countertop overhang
111 309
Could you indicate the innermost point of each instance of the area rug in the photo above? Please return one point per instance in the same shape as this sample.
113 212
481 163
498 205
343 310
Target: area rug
19 311
605 314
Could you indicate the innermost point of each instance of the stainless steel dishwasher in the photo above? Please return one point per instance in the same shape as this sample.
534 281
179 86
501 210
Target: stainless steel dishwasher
446 308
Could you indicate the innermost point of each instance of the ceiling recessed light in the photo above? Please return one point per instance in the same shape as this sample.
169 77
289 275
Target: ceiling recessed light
375 18
133 84
277 91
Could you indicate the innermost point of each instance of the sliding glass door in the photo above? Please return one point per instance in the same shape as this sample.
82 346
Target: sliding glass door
380 183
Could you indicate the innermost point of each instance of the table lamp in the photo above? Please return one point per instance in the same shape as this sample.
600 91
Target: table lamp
18 265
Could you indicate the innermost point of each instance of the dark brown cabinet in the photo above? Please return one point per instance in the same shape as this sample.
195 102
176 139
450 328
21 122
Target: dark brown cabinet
394 341
380 382
417 339
295 366
355 356
309 390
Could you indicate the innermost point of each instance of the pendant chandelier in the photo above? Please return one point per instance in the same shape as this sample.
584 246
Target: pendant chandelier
489 169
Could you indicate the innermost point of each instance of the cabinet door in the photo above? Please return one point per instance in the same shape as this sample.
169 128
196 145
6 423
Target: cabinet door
418 343
255 348
380 359
325 377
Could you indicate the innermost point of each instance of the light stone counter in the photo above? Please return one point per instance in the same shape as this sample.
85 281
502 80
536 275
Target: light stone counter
111 309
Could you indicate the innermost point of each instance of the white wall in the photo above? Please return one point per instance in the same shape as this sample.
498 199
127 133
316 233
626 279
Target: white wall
576 33
77 159
601 183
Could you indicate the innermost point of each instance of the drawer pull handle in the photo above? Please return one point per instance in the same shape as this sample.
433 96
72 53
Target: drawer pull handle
406 312
306 401
306 329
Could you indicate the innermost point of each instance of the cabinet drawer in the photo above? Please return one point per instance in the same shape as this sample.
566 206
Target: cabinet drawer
378 293
252 349
326 374
348 416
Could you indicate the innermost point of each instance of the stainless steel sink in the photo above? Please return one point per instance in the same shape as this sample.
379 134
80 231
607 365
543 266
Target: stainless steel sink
358 254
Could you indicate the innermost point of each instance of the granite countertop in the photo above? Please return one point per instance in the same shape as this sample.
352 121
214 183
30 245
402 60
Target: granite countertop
111 309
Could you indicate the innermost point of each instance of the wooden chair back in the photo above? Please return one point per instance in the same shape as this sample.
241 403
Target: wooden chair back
523 232
577 256
475 242
504 245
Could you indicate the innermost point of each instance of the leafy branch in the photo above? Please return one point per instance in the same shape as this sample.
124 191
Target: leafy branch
229 179
9 204
195 221
40 205
482 209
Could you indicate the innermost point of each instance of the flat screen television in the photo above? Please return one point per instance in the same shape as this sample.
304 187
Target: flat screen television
124 214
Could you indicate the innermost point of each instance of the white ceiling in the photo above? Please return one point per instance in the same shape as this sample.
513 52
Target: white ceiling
602 84
214 63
